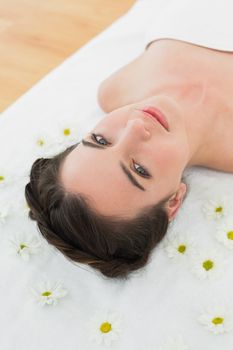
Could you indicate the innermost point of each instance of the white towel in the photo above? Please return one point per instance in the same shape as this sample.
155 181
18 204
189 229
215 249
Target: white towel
206 23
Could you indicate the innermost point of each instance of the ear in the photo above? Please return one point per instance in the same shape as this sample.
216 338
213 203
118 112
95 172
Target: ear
175 201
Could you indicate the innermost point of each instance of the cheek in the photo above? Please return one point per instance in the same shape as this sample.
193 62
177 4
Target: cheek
169 155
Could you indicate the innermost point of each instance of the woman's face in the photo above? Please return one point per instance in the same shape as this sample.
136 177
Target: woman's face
129 142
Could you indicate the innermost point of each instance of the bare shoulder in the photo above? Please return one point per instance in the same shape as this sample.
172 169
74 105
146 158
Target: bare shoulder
142 76
127 85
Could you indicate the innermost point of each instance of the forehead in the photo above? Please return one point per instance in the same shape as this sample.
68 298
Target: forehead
97 174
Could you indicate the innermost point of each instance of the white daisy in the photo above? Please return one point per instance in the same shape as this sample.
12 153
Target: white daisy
178 244
207 264
24 244
43 142
67 131
42 139
175 343
217 209
105 327
217 318
48 293
6 178
224 233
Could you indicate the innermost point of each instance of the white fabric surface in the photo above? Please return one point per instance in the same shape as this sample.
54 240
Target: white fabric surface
206 23
159 305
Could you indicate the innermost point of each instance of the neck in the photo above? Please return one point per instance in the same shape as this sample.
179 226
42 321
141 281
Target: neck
202 106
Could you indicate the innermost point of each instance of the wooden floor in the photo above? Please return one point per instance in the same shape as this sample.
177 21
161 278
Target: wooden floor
37 35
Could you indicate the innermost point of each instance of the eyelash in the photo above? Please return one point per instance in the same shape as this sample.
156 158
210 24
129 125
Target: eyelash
146 173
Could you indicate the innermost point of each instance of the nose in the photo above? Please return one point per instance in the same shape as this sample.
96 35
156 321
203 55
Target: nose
133 134
136 128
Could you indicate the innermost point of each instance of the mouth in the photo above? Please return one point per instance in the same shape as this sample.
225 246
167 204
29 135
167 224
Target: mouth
157 115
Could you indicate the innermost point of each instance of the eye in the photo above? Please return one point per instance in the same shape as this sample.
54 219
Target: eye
140 170
95 138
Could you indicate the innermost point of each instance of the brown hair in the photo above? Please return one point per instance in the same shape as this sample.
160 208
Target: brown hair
113 245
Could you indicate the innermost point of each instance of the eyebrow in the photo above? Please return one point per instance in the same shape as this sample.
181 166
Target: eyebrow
126 171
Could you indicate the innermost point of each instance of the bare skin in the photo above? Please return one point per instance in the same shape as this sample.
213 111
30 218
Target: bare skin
192 85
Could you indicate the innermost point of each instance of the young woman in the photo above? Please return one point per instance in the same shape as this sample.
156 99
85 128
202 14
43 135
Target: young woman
107 201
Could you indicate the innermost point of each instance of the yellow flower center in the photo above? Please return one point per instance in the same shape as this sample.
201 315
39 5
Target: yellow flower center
23 246
217 320
105 327
40 142
46 294
218 209
1 178
181 248
208 264
230 235
66 131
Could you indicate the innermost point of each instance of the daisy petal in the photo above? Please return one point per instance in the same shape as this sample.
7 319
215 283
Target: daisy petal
47 293
217 208
24 245
224 233
207 264
179 244
217 318
105 327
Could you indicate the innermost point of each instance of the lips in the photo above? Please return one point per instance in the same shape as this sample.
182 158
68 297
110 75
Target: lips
158 115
